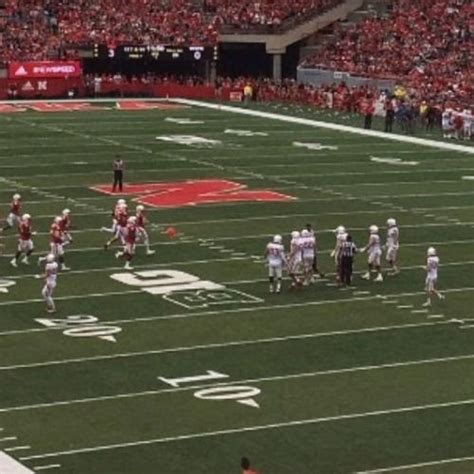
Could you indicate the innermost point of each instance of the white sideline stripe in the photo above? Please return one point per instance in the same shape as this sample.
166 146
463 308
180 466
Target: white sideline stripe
9 438
241 310
274 378
246 429
330 126
8 465
420 464
218 345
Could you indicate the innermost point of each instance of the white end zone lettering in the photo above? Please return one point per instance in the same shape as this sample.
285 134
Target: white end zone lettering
184 289
190 140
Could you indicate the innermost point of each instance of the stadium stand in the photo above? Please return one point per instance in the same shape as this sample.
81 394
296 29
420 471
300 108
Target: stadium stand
427 44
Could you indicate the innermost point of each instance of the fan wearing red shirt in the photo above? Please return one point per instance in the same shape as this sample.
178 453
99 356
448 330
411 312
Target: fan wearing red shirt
25 243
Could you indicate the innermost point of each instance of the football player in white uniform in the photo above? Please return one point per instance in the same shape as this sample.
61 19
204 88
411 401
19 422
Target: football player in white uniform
50 280
294 259
316 270
142 222
275 255
374 252
392 245
341 236
432 264
308 244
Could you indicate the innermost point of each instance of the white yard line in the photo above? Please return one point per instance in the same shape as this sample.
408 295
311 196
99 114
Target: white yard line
418 465
253 428
275 378
219 345
254 308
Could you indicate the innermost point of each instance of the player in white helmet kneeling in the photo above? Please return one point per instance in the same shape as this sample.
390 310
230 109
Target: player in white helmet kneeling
25 242
374 252
392 245
275 255
142 221
432 264
50 280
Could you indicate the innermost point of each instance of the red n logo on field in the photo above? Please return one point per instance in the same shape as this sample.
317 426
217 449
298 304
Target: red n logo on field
191 193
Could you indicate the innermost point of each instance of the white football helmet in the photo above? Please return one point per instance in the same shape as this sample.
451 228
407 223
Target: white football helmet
121 202
295 234
305 233
140 208
277 239
391 222
58 219
50 258
132 220
373 229
16 197
66 212
431 252
26 217
340 230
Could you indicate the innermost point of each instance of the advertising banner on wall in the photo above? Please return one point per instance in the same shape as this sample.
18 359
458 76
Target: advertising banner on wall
44 69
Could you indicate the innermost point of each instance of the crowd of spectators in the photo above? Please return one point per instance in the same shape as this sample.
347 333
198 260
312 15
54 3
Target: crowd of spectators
428 44
269 13
50 29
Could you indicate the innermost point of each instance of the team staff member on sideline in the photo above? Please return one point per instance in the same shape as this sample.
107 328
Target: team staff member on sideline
119 166
348 251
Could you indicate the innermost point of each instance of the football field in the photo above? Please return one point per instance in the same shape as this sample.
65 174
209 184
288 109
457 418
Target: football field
187 363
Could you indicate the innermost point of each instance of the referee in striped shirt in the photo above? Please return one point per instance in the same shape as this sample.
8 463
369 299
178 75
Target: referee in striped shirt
347 253
118 167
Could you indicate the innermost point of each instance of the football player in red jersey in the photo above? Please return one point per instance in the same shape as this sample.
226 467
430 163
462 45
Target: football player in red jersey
120 224
25 243
131 234
142 221
56 244
14 217
65 226
246 469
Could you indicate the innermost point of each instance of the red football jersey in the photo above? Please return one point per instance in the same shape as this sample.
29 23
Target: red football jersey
25 231
141 220
131 233
65 223
122 218
15 207
56 234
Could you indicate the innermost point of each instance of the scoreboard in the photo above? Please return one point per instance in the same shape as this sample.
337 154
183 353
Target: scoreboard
156 52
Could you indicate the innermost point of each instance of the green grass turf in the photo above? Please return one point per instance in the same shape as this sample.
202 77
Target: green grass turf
346 380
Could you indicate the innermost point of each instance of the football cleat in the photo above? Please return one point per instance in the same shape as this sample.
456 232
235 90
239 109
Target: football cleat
366 276
150 252
13 263
379 277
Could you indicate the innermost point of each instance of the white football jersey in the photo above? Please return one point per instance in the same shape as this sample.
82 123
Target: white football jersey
308 244
51 270
393 237
432 267
374 244
296 249
275 254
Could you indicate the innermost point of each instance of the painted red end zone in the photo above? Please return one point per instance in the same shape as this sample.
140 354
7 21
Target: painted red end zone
194 192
